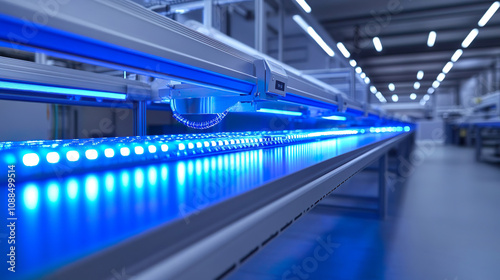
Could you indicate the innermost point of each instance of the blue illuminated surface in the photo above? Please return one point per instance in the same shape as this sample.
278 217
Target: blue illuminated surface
281 112
335 118
70 217
60 90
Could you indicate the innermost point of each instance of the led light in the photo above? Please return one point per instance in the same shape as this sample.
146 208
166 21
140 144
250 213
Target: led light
125 151
391 87
220 143
303 4
426 97
282 112
226 142
430 90
358 70
353 63
447 67
91 154
362 75
53 157
379 95
61 90
182 147
152 149
139 150
377 44
320 41
373 89
489 13
199 145
109 153
335 118
468 40
420 75
213 143
206 144
458 53
30 197
432 39
413 96
190 146
343 50
416 85
367 80
301 22
72 155
31 159
164 147
440 77
395 98
435 84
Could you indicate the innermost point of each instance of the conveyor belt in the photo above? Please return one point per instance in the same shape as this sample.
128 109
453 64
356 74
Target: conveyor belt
74 217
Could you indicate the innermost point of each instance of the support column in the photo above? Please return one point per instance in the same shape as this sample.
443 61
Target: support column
281 29
382 185
208 13
139 118
260 26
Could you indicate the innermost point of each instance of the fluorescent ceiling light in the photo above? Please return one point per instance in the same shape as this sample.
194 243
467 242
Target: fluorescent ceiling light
362 75
447 67
61 90
432 39
343 50
377 44
335 118
301 22
435 84
413 96
391 87
367 80
420 75
373 89
320 41
468 40
416 85
422 102
359 70
281 112
430 90
440 77
303 4
426 97
379 95
489 13
395 98
458 53
353 62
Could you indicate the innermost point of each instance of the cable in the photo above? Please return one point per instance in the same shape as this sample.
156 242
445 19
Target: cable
200 125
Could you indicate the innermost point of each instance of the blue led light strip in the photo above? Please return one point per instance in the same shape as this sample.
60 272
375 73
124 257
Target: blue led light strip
61 90
63 157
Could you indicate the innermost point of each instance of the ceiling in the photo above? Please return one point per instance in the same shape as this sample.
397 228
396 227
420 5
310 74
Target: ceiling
403 27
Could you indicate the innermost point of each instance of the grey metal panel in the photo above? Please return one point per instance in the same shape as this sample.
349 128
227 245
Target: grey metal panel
299 86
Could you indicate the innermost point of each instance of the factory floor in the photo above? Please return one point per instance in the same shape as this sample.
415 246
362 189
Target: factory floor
443 223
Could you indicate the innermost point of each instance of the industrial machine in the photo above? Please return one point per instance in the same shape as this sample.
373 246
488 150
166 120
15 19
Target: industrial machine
174 206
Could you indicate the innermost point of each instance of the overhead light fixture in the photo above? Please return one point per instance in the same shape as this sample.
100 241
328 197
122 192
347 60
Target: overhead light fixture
367 80
435 84
395 98
426 97
281 112
458 53
447 67
392 87
362 75
377 44
379 95
416 85
422 102
353 63
343 50
303 4
440 77
468 40
420 75
413 96
301 22
431 40
335 118
489 13
373 89
430 90
358 70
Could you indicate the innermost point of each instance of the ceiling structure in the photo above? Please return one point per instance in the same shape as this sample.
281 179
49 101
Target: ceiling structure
403 27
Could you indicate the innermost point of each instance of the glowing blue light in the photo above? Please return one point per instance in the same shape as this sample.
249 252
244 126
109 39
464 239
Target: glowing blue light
53 192
407 128
213 143
109 153
31 197
221 143
91 154
91 188
31 159
61 90
206 144
399 129
164 147
199 145
139 178
72 155
335 118
362 131
72 189
231 141
109 182
190 145
139 150
226 142
152 175
125 151
53 157
152 149
182 147
281 112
